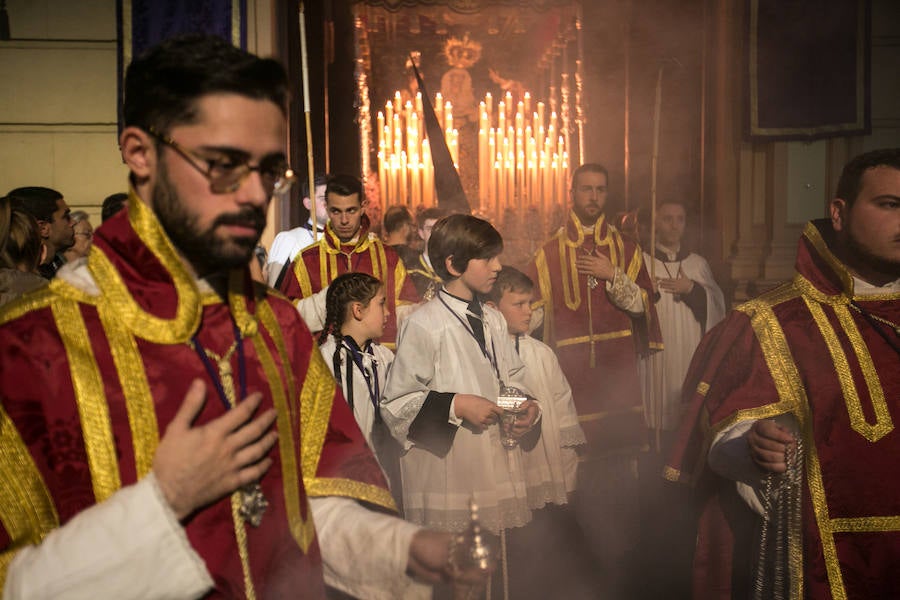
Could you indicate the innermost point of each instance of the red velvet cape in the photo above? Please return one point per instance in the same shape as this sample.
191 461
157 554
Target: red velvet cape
606 390
89 382
319 264
801 349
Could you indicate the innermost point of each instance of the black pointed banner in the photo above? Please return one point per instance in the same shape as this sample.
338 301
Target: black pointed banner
450 194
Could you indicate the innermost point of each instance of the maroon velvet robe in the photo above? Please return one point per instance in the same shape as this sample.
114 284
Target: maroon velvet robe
801 349
89 383
319 264
597 343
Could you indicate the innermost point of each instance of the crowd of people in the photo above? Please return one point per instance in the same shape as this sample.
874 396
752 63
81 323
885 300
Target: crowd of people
184 415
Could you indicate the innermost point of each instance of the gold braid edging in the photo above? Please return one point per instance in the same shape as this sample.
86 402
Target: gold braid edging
27 512
303 531
883 424
135 387
316 399
240 535
543 273
93 411
327 486
113 289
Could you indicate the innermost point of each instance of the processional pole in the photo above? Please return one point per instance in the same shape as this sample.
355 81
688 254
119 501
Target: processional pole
654 169
304 64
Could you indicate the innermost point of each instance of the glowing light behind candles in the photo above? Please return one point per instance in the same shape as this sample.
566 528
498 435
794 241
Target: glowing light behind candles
405 170
523 157
523 161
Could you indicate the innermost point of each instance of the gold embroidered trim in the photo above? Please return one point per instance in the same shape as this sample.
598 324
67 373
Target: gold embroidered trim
93 411
270 324
597 337
316 399
328 486
240 535
399 280
703 388
159 330
135 387
303 531
811 233
302 274
597 416
883 425
27 511
865 524
23 305
543 273
634 267
671 474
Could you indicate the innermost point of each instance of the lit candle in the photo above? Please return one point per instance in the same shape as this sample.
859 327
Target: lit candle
448 116
439 109
428 178
527 103
398 135
398 102
403 198
382 177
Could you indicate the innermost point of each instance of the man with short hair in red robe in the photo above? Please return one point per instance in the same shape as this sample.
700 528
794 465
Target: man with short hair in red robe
793 405
598 317
168 428
346 246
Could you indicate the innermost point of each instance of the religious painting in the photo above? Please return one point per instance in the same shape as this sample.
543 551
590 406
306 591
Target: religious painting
505 83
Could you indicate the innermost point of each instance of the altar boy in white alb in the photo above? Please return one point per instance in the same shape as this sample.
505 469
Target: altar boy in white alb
690 304
453 356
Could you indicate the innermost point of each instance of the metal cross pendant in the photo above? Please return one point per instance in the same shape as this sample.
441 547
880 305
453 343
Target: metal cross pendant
253 504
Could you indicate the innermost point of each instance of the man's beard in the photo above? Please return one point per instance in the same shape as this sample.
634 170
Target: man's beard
206 252
861 256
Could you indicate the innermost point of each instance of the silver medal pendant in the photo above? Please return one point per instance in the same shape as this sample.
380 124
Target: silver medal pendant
253 504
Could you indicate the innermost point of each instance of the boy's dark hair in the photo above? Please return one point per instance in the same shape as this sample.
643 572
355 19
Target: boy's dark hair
39 202
429 213
349 287
509 279
852 174
463 237
112 204
395 217
319 179
587 168
162 86
344 185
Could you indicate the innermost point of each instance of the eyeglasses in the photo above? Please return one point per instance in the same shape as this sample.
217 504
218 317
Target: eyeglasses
227 174
87 234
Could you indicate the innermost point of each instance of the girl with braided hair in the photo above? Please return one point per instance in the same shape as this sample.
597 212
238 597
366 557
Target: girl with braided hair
355 314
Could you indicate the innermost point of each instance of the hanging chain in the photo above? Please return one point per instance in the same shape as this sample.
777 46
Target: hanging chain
781 500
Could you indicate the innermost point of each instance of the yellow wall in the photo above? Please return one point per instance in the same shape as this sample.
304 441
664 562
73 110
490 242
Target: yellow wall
58 117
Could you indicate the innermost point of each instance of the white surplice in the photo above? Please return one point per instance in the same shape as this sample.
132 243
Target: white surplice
550 466
436 351
664 372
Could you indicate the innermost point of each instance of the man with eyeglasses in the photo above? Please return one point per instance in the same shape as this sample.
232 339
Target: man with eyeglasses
50 210
168 427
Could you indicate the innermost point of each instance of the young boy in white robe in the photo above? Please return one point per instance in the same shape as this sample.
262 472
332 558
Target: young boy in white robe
453 356
550 466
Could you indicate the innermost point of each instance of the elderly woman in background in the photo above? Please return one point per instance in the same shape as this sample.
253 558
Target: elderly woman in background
84 235
21 252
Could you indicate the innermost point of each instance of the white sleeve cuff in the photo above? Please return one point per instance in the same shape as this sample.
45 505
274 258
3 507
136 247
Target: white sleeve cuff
365 553
452 418
129 546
